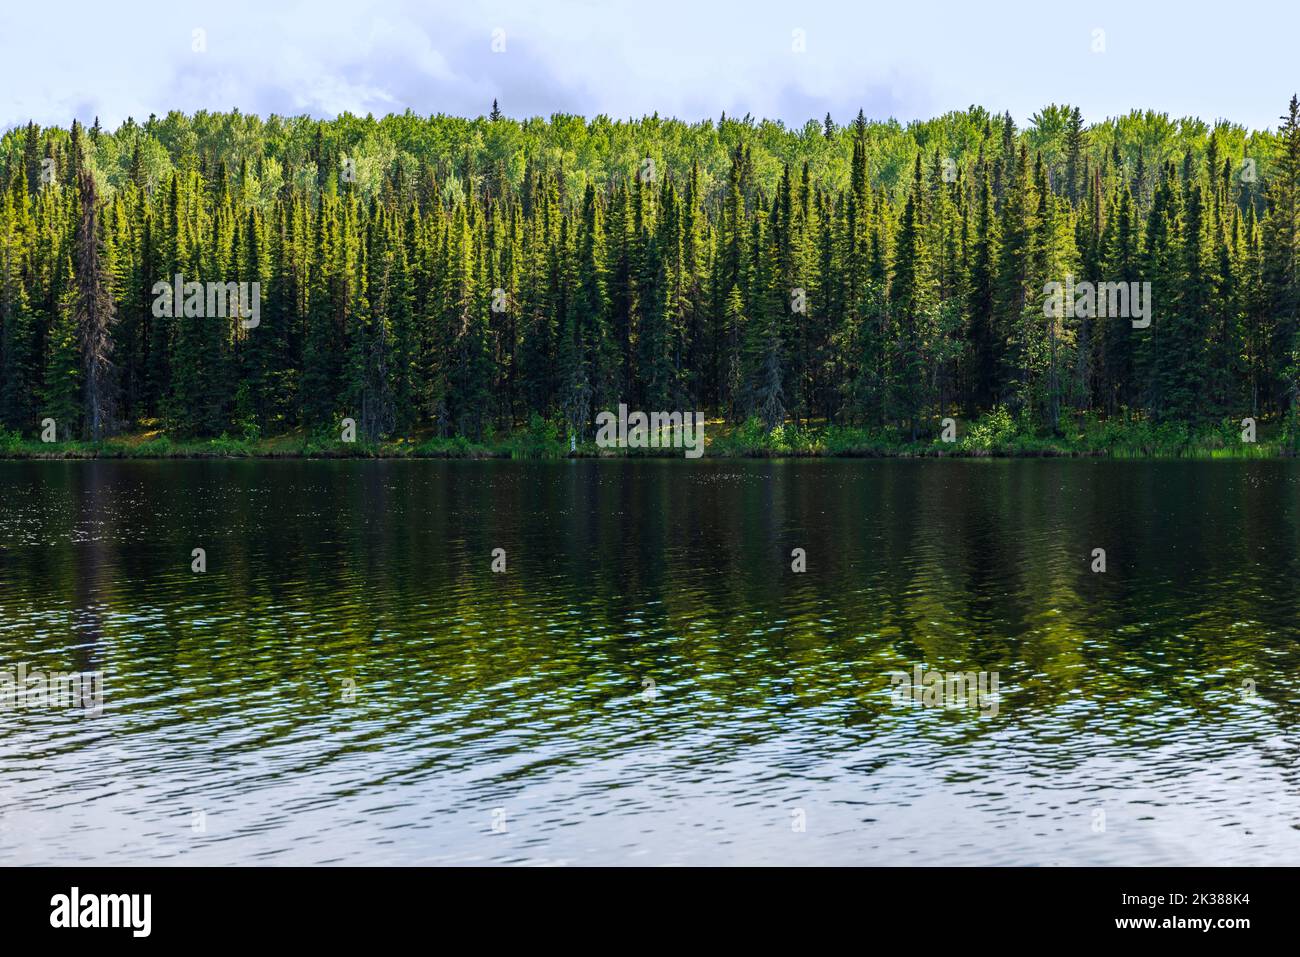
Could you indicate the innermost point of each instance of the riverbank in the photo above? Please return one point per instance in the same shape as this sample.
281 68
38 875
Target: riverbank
992 436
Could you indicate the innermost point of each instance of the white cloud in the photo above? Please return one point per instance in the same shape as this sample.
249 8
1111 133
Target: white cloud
677 57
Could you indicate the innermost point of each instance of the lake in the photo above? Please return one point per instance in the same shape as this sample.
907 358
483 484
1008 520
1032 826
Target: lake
645 678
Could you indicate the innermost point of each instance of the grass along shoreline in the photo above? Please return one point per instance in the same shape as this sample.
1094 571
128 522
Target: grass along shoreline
995 434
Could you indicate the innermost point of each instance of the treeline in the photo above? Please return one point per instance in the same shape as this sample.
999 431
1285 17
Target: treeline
462 277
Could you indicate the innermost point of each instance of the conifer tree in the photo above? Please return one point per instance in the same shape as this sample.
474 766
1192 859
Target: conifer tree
467 276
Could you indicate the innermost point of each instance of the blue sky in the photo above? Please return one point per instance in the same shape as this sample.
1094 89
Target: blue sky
61 59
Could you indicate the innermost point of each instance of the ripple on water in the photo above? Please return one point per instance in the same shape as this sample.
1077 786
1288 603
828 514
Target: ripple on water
649 681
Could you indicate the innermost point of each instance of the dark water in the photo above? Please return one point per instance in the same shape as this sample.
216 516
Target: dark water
649 682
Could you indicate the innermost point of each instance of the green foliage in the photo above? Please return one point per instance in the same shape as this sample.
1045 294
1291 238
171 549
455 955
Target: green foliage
993 431
491 285
542 439
158 447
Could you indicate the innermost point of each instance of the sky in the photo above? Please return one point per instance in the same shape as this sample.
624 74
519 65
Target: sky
693 59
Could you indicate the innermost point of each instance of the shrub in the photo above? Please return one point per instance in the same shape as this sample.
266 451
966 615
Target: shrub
991 432
540 440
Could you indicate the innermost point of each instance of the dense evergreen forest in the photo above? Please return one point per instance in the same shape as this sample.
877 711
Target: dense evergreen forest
456 277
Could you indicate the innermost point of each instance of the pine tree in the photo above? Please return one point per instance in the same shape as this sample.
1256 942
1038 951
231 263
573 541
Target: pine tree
526 271
32 158
913 310
61 395
19 359
986 342
470 373
1281 266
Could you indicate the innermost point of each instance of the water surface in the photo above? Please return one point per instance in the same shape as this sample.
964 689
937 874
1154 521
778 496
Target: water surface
648 682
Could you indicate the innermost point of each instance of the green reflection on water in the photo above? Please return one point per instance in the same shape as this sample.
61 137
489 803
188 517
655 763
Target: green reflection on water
473 687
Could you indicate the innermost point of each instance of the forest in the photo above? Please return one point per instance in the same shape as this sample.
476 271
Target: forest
464 279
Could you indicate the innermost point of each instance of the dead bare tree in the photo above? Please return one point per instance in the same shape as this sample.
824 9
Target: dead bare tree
94 310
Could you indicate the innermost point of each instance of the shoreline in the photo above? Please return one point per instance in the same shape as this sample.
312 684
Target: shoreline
194 452
983 439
